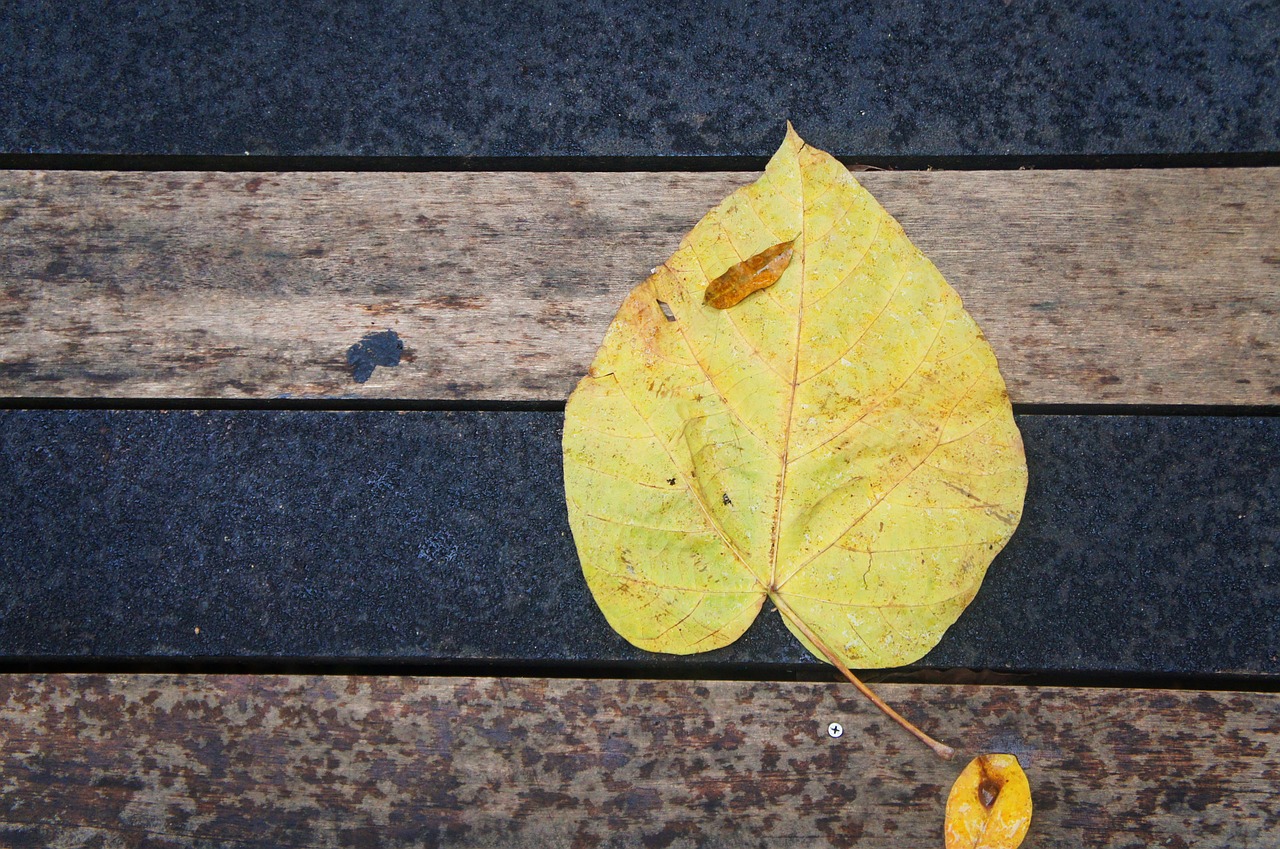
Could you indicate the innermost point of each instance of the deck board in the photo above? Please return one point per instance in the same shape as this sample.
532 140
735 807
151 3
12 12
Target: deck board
336 761
1106 286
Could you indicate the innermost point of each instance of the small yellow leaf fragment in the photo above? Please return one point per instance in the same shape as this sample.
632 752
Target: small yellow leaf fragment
989 806
751 275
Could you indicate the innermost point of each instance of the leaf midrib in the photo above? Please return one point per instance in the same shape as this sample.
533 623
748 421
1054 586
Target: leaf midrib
802 256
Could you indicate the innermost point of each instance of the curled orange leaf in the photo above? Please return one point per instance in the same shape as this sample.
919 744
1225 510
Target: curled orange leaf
750 275
989 806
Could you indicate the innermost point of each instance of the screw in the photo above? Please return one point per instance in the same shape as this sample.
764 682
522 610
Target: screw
835 729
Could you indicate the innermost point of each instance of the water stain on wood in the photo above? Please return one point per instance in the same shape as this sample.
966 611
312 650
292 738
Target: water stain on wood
375 349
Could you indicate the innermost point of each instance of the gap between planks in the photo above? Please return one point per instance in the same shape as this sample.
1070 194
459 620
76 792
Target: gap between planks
1130 287
332 761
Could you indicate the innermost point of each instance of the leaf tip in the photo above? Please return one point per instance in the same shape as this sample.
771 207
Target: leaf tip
792 137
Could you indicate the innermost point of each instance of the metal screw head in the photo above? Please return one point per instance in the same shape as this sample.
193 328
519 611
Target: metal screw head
835 729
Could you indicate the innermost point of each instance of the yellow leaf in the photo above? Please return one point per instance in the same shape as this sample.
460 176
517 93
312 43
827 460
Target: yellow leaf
841 442
989 806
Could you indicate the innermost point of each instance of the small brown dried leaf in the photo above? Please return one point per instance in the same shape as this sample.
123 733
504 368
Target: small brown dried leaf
751 275
989 806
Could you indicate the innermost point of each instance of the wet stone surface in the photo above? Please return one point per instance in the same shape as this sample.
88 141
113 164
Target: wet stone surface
627 78
1147 544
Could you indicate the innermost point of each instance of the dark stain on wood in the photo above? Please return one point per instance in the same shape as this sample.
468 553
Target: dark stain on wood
55 269
384 308
454 302
375 349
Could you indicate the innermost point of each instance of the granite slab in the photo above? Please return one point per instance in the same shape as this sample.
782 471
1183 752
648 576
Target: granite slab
630 78
1148 544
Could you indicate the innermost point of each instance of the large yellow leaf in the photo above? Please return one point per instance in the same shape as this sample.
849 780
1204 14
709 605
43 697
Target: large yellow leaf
840 441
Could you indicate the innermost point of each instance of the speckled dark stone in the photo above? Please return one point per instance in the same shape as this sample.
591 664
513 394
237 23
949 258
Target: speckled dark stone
626 77
1148 544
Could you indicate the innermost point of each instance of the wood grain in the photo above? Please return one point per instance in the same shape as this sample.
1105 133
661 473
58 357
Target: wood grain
178 761
1093 286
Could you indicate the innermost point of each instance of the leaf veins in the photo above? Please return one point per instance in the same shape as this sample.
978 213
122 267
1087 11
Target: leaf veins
842 446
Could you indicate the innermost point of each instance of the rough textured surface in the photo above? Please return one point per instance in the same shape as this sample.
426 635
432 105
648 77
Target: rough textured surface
1092 286
627 77
1148 544
388 762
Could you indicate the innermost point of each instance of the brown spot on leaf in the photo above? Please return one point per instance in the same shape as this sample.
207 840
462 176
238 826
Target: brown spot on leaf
751 275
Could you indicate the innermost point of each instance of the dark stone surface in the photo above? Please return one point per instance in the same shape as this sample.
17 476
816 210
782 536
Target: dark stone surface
1148 544
625 77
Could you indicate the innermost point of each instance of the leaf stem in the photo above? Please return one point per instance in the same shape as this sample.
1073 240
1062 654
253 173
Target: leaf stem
942 750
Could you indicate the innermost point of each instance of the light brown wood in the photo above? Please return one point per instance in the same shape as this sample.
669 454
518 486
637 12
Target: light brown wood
1145 286
90 760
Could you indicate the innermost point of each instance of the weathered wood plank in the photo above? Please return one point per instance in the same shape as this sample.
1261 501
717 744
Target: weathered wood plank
1093 286
337 761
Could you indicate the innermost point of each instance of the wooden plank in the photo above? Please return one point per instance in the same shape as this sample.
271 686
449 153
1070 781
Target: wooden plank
339 761
1094 286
